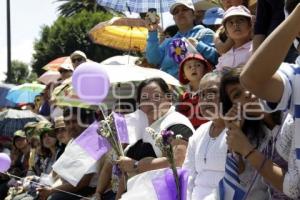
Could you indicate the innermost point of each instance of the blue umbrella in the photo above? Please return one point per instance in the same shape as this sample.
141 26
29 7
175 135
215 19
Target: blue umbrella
12 120
25 93
4 88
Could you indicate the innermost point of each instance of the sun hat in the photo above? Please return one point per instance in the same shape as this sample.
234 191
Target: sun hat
236 11
186 3
198 57
213 16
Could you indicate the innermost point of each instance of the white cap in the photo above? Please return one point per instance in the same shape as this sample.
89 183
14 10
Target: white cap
186 3
78 53
237 11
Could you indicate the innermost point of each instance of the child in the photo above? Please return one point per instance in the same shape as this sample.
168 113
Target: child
238 27
191 70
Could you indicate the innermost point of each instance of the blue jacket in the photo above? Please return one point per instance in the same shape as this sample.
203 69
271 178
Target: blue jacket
159 54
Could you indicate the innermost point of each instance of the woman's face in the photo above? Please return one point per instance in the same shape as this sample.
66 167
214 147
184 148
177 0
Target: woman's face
183 16
228 3
153 101
238 27
248 102
21 142
193 70
209 99
49 140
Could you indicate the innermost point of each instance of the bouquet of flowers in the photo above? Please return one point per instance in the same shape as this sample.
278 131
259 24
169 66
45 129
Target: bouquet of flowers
163 141
113 129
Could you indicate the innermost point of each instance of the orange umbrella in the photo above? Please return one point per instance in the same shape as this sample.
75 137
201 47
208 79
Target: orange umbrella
62 62
125 34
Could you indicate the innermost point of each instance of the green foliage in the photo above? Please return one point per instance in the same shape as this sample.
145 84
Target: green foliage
71 7
19 72
68 34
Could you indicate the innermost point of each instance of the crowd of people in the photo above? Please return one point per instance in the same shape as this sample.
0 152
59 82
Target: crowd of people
241 97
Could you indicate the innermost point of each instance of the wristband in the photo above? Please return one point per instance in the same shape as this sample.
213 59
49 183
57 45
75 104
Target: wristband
249 153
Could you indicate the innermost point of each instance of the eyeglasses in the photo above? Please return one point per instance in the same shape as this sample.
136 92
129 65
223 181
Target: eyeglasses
77 60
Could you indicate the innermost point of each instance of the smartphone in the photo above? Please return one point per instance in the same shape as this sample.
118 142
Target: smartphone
152 15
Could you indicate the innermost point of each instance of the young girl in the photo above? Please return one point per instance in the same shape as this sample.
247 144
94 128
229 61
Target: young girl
191 70
238 27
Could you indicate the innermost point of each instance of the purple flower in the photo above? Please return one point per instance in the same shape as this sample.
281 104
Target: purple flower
177 50
116 170
167 136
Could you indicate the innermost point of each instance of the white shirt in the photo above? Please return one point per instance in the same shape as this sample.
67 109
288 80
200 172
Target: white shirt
205 162
235 57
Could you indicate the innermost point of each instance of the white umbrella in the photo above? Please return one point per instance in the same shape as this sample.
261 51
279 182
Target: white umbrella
49 76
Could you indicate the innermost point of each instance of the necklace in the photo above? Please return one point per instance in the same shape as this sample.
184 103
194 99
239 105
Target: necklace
207 145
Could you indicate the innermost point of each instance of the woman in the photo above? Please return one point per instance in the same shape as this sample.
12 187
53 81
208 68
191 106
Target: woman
154 99
244 115
199 36
207 149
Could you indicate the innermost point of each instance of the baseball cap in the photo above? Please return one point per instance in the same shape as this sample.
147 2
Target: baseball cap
186 3
213 16
59 122
236 11
198 57
20 133
43 127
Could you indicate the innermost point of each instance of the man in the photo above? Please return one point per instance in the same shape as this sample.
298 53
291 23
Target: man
75 119
78 57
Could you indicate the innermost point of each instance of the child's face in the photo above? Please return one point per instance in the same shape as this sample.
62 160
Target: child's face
193 70
238 27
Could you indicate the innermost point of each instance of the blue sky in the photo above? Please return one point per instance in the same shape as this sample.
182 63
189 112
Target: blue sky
27 17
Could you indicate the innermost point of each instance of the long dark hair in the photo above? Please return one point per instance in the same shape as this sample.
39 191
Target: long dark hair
159 81
252 128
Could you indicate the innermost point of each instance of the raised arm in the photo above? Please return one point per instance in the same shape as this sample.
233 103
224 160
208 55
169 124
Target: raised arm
259 75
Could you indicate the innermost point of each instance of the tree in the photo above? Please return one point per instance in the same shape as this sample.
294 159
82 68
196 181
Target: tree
19 72
71 7
68 34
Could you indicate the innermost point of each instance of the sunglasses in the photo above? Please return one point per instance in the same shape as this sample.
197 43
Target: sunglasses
77 60
63 71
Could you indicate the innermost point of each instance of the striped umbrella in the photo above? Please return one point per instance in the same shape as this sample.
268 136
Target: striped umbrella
25 93
12 120
140 6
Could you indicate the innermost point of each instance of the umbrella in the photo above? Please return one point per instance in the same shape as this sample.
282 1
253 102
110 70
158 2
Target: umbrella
125 34
121 86
49 76
140 6
4 88
25 93
12 120
64 62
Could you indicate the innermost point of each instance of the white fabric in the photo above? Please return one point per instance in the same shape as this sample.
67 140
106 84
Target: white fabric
141 187
136 123
73 164
169 119
204 177
285 146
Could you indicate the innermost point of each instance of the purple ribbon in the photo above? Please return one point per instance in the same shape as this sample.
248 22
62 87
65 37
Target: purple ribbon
177 50
121 128
165 186
94 144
